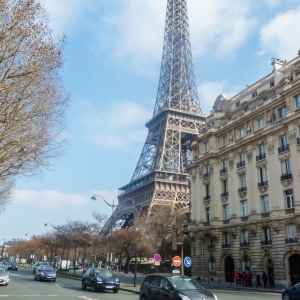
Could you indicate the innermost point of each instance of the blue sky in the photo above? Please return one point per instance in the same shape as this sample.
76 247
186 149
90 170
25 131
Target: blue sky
111 71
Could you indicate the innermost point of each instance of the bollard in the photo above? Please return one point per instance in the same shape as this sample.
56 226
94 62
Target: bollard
219 281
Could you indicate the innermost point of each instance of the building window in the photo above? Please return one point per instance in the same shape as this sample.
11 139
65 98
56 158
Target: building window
226 240
291 232
212 264
242 179
262 177
224 140
289 199
260 123
223 166
254 94
241 162
244 208
272 83
206 171
225 186
284 146
266 236
237 104
297 101
244 236
207 214
207 191
241 133
226 212
286 167
206 147
265 204
261 152
282 112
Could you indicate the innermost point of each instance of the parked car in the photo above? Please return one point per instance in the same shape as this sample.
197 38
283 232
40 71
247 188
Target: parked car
162 286
12 266
100 279
37 264
45 272
4 276
292 292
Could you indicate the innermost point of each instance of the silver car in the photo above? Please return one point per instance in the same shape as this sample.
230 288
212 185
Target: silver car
4 276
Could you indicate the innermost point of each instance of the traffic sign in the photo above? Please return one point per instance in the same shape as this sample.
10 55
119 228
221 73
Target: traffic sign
157 257
176 261
157 263
187 261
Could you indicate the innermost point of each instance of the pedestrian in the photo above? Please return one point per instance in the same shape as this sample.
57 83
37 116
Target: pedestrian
236 277
250 278
272 284
241 278
265 280
258 280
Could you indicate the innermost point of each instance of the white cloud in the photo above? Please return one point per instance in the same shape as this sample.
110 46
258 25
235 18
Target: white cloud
134 33
281 36
209 91
64 14
120 126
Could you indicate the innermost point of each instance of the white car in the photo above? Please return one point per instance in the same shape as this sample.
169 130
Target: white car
4 276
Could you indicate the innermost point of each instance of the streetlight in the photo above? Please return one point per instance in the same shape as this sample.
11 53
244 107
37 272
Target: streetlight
182 265
113 206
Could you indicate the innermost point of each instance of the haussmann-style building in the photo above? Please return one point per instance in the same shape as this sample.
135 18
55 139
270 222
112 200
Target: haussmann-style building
245 182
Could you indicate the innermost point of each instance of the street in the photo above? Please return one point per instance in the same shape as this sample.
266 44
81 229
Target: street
23 286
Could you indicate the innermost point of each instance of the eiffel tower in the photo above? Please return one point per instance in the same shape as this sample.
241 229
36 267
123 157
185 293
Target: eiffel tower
160 177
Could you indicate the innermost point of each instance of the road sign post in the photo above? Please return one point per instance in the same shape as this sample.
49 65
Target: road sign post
187 261
176 261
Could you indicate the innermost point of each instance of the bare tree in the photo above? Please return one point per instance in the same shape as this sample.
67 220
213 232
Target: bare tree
33 103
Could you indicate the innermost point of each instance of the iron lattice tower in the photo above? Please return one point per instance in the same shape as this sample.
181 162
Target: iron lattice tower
160 177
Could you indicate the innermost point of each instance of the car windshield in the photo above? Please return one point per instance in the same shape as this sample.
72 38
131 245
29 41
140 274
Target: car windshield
46 268
2 271
106 273
185 283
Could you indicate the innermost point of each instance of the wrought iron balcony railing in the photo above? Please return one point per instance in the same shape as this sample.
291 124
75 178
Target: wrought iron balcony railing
286 177
244 244
262 183
291 240
223 171
242 189
266 242
240 164
206 197
206 175
298 140
284 148
224 194
225 245
261 156
210 247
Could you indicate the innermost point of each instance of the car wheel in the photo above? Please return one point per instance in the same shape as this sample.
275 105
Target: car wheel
115 290
83 285
286 296
54 280
93 287
34 278
143 297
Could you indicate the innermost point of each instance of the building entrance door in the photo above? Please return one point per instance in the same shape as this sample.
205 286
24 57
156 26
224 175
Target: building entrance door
229 269
294 261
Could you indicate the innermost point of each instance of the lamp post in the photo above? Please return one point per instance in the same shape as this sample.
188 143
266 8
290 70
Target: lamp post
182 263
113 206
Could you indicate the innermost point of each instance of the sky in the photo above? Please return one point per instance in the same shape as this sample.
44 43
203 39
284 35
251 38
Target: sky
112 65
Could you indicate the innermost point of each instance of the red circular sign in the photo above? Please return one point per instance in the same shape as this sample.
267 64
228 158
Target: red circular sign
176 261
157 257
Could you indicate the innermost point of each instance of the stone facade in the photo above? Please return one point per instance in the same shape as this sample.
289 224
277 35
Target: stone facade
245 185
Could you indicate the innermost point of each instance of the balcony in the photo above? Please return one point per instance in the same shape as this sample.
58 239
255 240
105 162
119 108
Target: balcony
284 148
286 177
223 171
298 140
225 221
260 156
245 218
207 223
291 241
206 198
290 210
210 247
265 215
224 246
223 195
262 183
244 244
240 164
242 189
206 175
266 243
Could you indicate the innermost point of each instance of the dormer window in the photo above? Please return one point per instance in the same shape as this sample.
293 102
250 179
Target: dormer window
237 104
254 94
272 83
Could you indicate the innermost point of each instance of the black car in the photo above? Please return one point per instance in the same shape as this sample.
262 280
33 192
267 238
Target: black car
37 264
291 293
12 266
176 287
45 272
100 279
